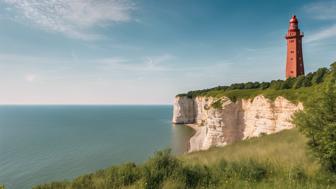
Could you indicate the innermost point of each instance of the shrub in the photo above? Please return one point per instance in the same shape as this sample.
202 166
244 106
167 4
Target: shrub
129 173
276 84
192 176
299 82
217 104
237 86
161 166
288 83
307 82
318 76
318 123
264 85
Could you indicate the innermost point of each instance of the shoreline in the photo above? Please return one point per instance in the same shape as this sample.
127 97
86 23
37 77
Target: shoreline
196 140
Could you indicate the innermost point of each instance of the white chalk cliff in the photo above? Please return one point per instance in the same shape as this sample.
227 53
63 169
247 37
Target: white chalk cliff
221 121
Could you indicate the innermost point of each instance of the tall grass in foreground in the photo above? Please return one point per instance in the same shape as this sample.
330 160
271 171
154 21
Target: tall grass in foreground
273 161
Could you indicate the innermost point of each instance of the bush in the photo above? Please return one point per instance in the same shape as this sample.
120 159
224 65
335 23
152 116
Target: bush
299 82
197 176
318 76
126 174
161 166
217 104
318 123
307 82
288 83
264 85
276 84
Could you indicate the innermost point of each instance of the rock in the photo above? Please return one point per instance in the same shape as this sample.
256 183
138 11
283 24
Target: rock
184 111
232 121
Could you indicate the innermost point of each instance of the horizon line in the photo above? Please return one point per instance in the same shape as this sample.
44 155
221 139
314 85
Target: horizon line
83 104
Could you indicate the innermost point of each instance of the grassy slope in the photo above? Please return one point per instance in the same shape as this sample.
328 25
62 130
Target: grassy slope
285 149
282 155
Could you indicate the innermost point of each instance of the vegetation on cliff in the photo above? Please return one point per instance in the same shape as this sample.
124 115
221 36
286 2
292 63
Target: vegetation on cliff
294 89
318 123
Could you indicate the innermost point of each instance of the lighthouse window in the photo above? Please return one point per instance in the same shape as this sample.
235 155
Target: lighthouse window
292 40
292 51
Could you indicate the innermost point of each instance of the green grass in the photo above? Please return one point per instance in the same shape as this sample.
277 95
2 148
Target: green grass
274 161
285 150
294 95
284 156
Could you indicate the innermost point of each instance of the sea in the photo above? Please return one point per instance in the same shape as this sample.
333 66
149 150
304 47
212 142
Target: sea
44 143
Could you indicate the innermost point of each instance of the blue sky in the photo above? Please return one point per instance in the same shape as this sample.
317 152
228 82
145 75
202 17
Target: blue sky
147 51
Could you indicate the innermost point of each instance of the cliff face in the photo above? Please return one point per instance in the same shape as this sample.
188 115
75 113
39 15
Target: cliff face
221 121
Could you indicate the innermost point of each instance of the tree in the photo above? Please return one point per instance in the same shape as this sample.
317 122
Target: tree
318 123
319 75
264 85
299 82
288 83
249 85
276 84
237 86
307 80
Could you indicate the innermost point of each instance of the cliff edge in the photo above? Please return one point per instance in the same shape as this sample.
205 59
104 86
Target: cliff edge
219 121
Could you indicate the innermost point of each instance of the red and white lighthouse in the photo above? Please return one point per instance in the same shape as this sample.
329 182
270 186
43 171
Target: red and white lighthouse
294 63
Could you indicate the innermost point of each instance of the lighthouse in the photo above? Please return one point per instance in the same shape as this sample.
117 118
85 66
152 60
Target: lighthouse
294 62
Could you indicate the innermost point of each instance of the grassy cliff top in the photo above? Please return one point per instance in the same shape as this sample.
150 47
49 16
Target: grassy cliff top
294 89
294 95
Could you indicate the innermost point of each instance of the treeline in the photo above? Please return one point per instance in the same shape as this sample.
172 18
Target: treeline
291 83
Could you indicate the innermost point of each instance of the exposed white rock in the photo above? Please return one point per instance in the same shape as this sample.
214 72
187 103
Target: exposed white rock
184 111
232 121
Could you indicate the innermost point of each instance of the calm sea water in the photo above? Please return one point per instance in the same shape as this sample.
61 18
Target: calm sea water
39 144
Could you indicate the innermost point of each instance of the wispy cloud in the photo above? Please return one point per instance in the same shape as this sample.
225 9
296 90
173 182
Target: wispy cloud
322 34
30 77
322 10
147 64
155 63
74 18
